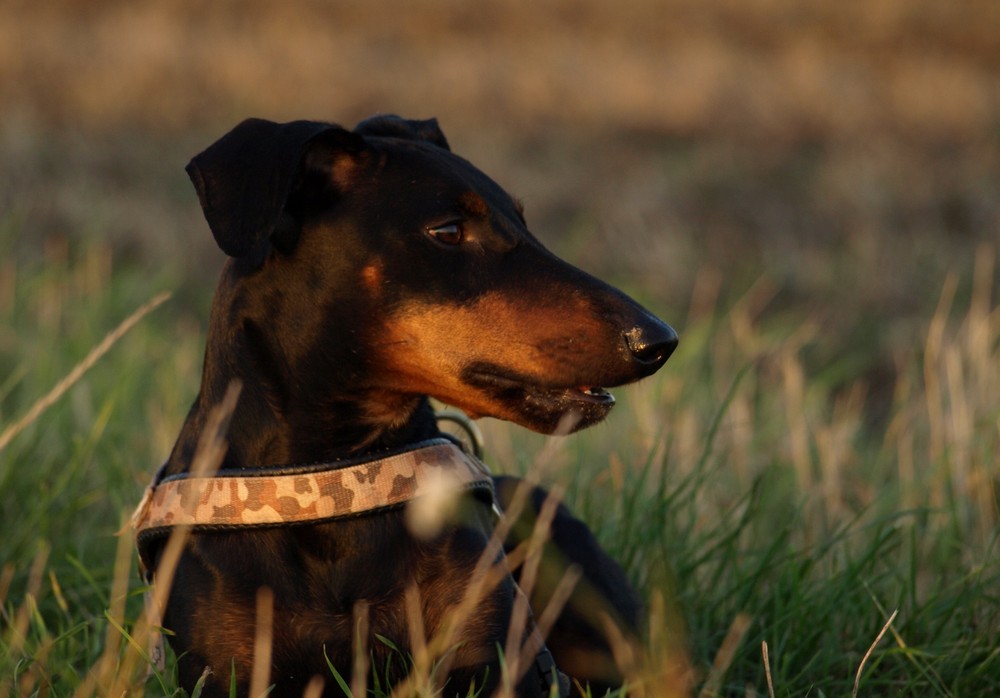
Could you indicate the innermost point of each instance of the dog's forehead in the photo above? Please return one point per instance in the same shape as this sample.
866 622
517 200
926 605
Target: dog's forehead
443 171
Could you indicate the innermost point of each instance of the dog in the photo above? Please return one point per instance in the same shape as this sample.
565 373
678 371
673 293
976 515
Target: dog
370 270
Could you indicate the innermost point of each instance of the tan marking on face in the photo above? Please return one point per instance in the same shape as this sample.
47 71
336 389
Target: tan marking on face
428 346
473 204
371 276
343 170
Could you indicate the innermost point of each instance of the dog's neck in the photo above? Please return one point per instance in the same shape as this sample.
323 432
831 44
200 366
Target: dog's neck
312 408
335 430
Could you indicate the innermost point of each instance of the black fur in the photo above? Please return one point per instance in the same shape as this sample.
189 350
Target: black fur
342 309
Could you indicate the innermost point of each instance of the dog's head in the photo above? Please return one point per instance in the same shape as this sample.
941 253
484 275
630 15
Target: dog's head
394 268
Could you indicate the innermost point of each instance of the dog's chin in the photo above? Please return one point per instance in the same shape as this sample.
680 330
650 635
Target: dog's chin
545 409
563 411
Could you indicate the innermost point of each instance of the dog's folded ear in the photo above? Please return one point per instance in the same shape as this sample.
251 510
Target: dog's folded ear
394 126
244 180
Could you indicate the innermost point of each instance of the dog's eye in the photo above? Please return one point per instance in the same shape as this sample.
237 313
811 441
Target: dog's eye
449 233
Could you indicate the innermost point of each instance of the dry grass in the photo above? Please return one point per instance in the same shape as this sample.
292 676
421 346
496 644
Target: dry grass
59 389
816 144
698 474
776 67
805 190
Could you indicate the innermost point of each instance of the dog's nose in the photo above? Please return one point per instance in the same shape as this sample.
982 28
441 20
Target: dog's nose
651 344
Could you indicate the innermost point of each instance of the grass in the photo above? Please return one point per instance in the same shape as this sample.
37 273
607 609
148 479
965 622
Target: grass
820 454
918 66
753 498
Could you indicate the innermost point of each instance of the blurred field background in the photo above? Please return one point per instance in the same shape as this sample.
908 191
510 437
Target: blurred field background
808 192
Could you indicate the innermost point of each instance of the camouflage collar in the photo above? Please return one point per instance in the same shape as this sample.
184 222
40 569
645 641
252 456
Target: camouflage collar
302 494
312 493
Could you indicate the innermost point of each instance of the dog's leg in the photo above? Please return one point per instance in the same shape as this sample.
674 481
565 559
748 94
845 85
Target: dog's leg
580 642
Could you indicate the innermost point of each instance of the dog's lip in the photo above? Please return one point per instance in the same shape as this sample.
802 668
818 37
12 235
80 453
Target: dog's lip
541 405
501 380
598 396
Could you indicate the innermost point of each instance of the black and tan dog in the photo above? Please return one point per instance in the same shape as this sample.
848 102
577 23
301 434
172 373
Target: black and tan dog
372 269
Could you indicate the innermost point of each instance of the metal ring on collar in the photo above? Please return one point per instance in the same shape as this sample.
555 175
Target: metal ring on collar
468 426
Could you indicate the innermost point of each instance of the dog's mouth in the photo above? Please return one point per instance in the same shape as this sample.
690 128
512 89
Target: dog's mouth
597 396
542 407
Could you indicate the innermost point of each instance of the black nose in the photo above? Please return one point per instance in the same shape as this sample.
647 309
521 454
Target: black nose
651 344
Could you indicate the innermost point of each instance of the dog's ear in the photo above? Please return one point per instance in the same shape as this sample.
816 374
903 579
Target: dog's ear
244 180
397 127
